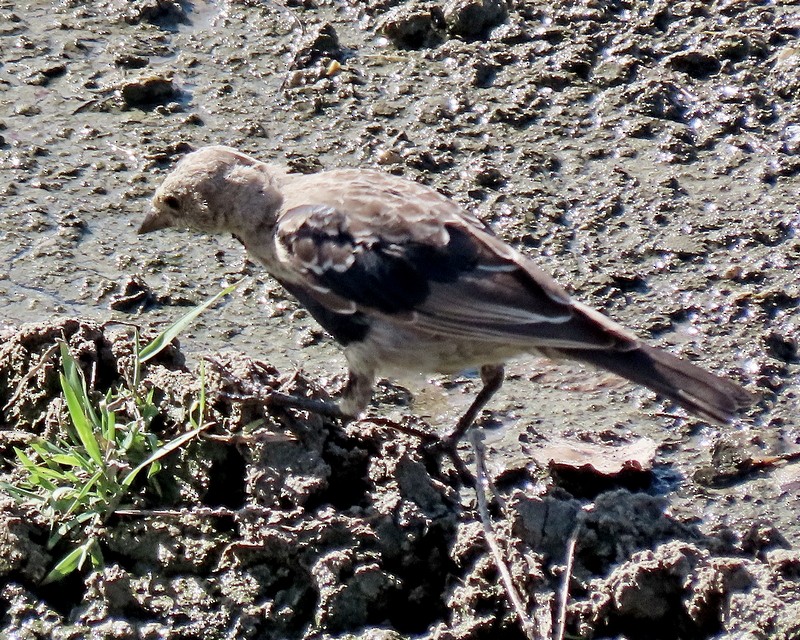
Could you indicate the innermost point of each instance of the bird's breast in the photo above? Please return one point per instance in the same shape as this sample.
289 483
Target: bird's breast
389 348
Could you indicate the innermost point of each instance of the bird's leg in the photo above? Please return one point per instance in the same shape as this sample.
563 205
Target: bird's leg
254 392
357 392
492 378
355 397
324 408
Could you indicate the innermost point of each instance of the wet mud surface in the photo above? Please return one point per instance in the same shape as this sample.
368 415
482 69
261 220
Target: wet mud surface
646 154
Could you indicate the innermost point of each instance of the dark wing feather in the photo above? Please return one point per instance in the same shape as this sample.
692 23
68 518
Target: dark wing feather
461 281
360 269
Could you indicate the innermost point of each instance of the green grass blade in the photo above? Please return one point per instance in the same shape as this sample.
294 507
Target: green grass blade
74 375
19 494
155 347
108 422
56 458
46 455
69 366
35 478
201 401
67 526
67 460
78 499
155 467
45 473
137 361
96 555
70 562
80 421
162 451
24 460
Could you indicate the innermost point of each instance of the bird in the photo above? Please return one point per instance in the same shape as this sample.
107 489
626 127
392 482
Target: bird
407 280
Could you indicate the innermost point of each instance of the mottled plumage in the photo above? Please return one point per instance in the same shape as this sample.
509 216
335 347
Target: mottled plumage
406 280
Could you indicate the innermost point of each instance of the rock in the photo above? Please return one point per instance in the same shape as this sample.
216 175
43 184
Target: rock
415 25
472 19
321 42
148 91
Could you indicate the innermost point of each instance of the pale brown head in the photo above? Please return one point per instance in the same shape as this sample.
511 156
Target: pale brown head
216 190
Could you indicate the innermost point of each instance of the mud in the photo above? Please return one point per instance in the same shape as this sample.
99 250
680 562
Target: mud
647 154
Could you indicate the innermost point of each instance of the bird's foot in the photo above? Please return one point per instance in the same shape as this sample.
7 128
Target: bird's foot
433 446
448 447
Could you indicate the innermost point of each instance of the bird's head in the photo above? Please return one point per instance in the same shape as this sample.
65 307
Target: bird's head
216 190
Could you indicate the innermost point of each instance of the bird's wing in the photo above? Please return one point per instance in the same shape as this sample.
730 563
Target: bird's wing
444 275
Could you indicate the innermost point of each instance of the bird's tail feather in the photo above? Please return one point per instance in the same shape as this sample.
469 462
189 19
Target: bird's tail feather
702 393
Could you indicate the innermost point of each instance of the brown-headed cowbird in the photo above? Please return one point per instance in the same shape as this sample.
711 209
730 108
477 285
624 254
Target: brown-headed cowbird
406 280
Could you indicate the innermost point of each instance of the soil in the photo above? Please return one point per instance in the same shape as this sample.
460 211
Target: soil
645 153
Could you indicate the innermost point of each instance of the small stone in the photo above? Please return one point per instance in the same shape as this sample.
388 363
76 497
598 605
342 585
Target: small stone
149 91
131 61
135 293
782 347
473 18
414 25
321 42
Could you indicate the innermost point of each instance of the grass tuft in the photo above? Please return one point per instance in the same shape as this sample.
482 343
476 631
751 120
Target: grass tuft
79 481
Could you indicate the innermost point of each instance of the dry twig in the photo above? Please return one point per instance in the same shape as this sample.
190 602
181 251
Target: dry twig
481 481
43 360
563 592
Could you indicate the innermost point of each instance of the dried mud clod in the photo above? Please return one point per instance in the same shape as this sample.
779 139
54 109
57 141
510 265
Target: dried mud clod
148 91
29 366
678 590
413 25
284 521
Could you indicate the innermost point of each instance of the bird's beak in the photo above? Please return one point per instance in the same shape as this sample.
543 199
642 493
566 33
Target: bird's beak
154 221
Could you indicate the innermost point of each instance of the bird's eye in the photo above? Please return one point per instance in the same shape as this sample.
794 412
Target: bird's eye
172 202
